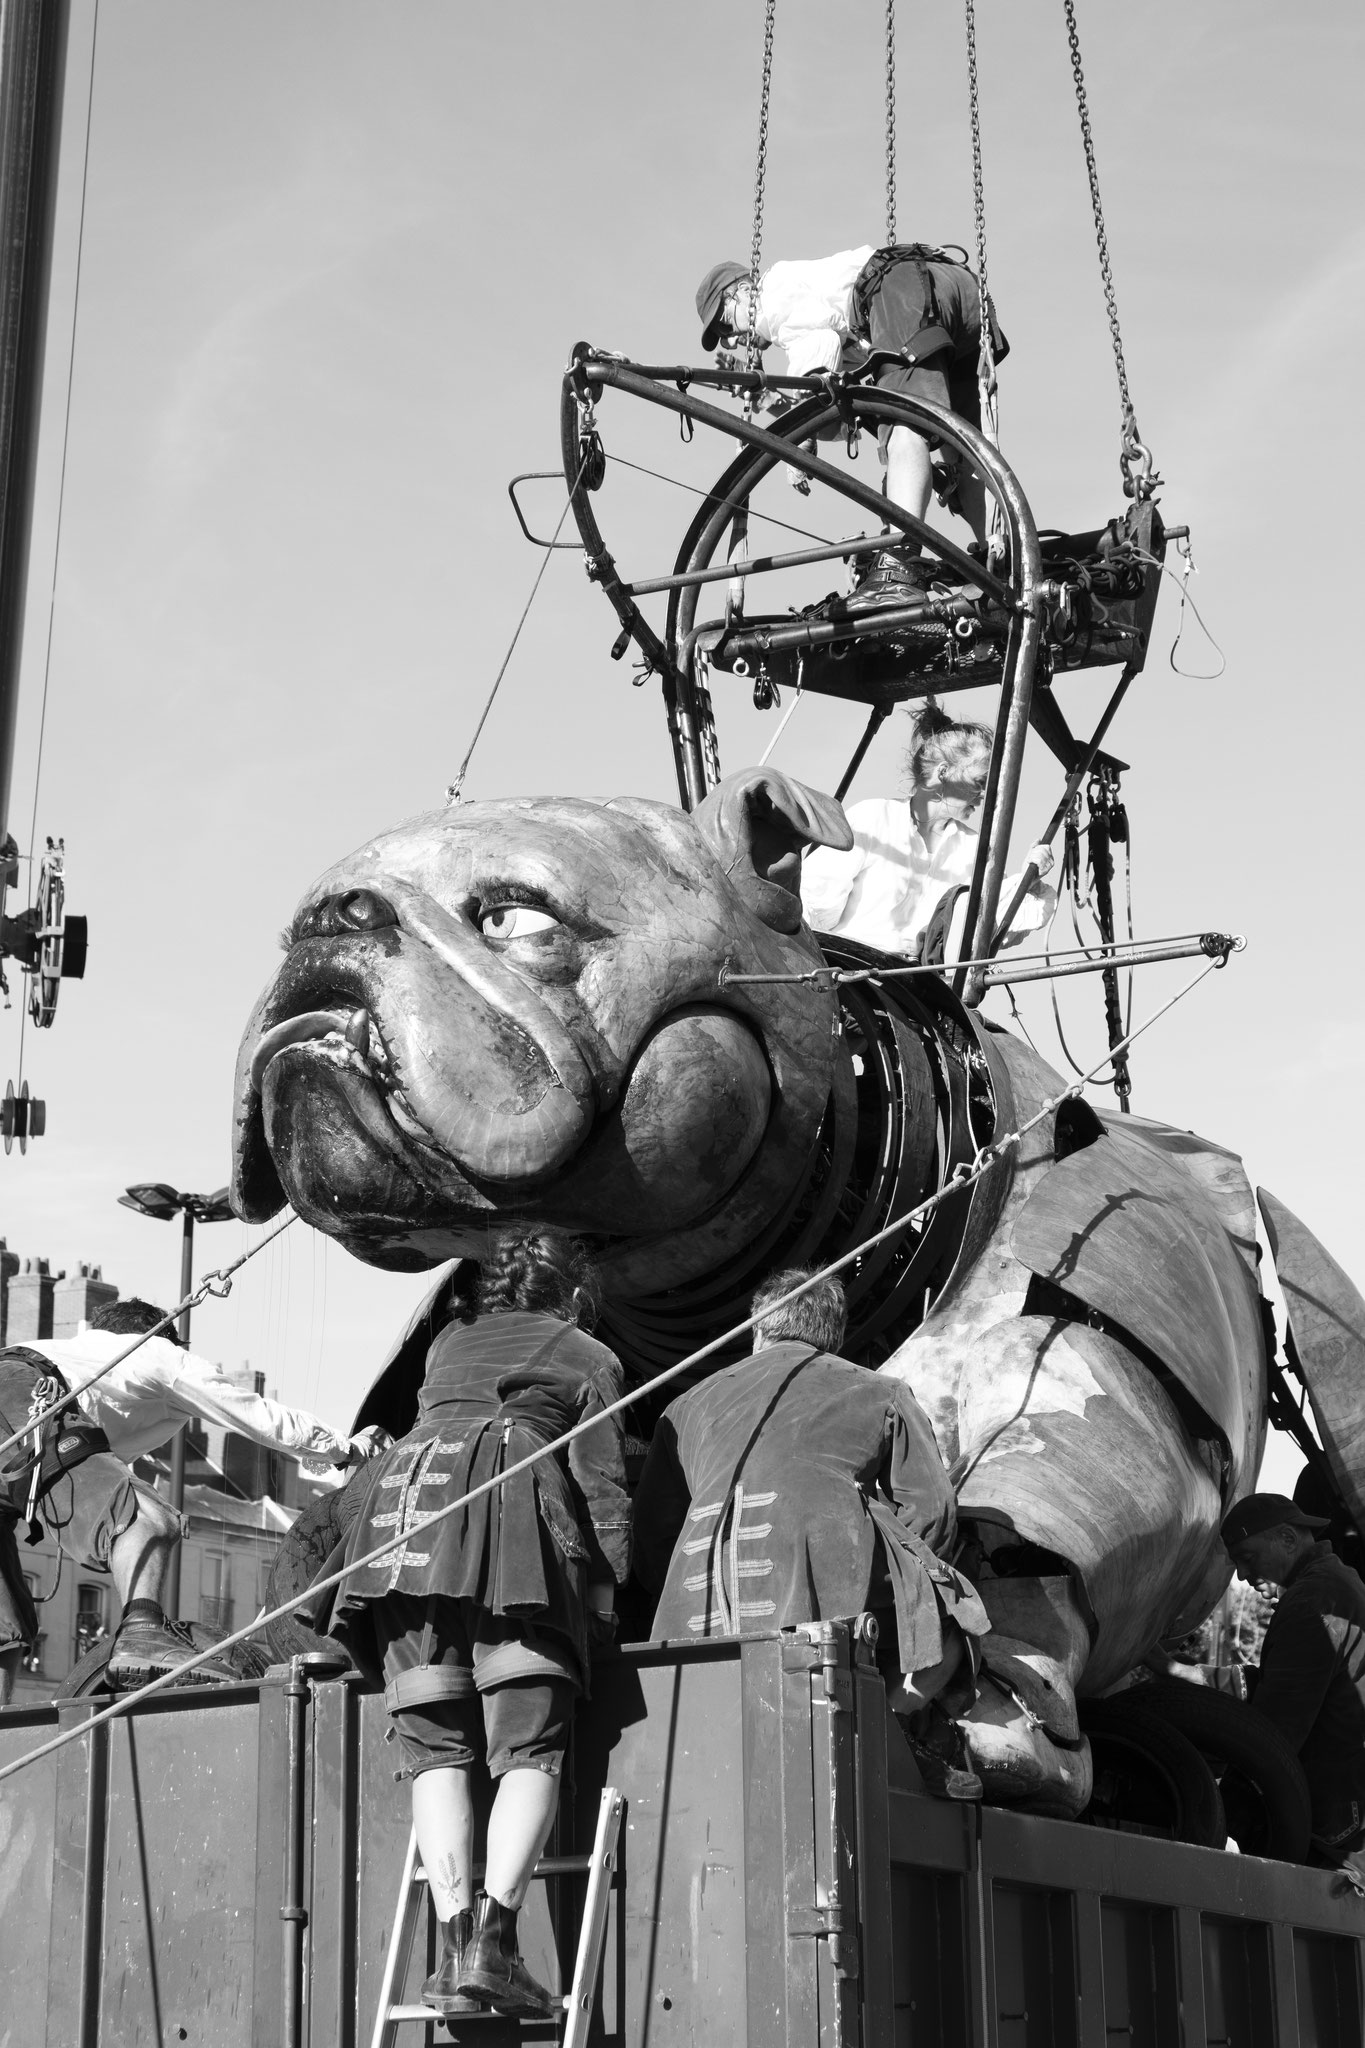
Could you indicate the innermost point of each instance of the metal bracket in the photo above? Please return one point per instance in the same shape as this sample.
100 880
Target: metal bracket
530 476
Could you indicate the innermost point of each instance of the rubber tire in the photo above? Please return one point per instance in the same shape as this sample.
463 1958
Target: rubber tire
303 1552
1232 1735
1145 1752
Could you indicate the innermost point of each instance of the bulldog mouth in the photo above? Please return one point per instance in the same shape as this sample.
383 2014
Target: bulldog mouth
348 1039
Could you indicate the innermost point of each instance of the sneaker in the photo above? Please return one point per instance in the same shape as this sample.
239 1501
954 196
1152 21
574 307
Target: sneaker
493 1971
441 1988
147 1645
891 579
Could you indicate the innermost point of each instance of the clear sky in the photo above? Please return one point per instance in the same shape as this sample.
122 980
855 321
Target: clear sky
334 259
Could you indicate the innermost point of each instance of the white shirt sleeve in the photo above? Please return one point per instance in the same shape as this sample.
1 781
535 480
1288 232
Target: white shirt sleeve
810 351
1033 913
199 1390
827 879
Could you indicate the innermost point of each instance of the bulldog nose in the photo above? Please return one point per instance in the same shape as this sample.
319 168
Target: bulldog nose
353 910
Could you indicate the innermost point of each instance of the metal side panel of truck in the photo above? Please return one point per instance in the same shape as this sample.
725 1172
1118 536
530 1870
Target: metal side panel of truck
782 1882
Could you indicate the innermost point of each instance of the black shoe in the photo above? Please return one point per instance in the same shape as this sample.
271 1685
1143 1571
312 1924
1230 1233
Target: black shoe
441 1989
146 1645
493 1972
939 1750
892 579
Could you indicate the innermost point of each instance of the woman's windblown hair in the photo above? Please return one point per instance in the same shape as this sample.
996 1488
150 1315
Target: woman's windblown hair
941 747
535 1268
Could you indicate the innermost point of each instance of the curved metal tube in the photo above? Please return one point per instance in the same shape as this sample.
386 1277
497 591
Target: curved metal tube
764 449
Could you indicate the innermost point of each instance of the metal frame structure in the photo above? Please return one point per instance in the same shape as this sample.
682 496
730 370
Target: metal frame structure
1026 607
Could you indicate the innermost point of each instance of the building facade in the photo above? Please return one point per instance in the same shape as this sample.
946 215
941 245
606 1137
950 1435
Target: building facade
240 1498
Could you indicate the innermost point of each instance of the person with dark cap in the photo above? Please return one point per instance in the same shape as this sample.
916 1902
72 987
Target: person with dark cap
1311 1682
910 301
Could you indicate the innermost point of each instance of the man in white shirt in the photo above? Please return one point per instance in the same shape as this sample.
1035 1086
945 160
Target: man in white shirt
82 1489
910 301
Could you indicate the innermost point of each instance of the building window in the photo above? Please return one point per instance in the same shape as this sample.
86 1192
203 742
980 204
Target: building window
215 1594
92 1616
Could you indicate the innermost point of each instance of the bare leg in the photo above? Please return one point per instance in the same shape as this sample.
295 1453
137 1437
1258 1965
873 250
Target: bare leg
443 1815
140 1557
909 477
10 1662
523 1814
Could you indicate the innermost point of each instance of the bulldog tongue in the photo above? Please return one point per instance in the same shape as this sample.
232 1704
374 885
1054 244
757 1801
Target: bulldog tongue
297 1030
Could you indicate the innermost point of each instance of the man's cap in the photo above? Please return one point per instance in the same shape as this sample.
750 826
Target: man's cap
710 292
1262 1511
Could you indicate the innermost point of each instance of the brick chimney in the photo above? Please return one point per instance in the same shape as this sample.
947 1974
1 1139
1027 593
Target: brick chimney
30 1295
9 1266
75 1299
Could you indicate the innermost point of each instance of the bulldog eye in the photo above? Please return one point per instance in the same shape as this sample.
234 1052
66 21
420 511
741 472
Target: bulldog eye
515 921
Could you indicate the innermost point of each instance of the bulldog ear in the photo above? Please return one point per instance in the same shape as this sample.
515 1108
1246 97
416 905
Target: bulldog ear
758 823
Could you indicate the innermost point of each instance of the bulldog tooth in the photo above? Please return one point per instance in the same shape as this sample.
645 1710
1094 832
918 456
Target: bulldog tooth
358 1031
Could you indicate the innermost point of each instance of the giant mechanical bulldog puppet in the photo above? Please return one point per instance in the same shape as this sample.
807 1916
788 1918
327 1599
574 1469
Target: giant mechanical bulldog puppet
523 1008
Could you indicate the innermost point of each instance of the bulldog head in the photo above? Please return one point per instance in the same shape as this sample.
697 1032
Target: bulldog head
516 1008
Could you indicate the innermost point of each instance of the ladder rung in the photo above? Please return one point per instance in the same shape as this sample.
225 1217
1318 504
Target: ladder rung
434 2018
548 1866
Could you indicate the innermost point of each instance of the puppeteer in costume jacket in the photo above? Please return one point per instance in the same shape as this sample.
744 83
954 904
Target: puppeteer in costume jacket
495 1391
796 1487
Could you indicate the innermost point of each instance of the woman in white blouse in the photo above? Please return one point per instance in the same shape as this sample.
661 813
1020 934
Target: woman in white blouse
908 852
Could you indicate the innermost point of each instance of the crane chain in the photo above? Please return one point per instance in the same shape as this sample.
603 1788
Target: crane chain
890 122
985 367
1135 460
760 178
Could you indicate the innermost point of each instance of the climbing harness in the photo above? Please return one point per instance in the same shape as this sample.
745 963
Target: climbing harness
1135 460
963 1176
218 1284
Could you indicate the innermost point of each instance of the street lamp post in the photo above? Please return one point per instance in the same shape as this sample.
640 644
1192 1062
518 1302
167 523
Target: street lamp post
157 1199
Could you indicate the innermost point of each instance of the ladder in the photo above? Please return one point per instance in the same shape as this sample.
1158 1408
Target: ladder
600 1866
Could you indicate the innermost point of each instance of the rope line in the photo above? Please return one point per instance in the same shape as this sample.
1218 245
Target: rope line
218 1283
964 1176
455 788
715 498
61 496
1182 584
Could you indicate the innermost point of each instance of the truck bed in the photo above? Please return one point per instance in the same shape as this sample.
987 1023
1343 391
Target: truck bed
783 1881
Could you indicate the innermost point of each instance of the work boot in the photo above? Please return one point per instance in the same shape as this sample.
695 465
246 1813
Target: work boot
146 1645
493 1971
442 1986
937 1745
892 578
